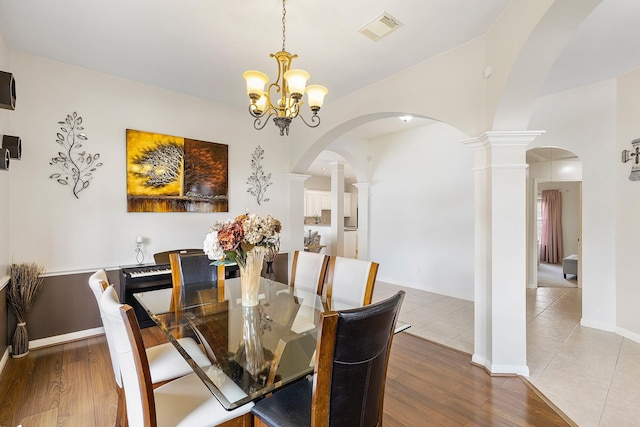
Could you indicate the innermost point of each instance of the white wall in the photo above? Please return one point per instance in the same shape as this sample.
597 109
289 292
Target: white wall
5 176
51 227
583 121
627 210
421 228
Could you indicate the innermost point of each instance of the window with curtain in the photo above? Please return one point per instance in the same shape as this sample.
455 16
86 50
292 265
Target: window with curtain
551 235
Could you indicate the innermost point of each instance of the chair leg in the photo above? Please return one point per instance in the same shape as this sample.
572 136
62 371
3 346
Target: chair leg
121 411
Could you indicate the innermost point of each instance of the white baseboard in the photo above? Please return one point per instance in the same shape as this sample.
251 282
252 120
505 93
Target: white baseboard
597 325
499 370
628 334
60 339
3 360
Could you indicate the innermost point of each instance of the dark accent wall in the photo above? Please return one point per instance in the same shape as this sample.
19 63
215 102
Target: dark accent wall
64 305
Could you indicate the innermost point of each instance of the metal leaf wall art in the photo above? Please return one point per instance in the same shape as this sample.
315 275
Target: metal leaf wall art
258 181
76 166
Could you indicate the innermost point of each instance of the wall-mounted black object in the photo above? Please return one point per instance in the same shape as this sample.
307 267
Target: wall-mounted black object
14 145
7 91
4 159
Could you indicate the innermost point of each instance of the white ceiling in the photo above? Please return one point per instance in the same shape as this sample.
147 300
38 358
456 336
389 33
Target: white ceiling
202 47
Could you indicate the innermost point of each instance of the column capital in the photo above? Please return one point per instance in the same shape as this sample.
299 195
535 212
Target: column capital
503 138
297 176
364 185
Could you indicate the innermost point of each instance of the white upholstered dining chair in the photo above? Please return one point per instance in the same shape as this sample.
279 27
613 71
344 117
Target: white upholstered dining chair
179 403
308 271
165 362
351 280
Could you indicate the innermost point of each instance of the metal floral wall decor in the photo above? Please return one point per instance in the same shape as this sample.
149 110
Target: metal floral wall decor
258 180
76 166
635 156
174 174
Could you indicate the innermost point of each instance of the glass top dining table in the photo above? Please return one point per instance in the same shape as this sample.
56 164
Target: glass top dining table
253 350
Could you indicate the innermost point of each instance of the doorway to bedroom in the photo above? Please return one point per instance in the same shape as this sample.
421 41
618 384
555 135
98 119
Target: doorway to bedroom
558 233
555 229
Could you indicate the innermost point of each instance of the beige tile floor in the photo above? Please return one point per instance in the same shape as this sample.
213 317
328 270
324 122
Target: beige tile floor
591 375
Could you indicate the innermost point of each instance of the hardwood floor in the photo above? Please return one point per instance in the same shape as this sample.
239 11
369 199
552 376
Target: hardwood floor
427 385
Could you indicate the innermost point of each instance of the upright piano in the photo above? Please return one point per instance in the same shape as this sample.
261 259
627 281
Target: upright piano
150 277
140 279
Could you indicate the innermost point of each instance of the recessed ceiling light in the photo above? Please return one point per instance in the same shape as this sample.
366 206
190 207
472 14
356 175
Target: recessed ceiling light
405 118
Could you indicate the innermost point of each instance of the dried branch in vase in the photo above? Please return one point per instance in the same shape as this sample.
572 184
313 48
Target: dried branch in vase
26 281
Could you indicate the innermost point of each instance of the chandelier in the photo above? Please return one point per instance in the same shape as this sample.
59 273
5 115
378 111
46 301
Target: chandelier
283 98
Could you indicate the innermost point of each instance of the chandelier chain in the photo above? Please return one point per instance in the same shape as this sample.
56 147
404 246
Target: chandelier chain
284 13
289 87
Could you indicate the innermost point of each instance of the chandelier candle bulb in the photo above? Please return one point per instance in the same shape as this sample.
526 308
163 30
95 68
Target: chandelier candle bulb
315 96
261 104
255 83
296 82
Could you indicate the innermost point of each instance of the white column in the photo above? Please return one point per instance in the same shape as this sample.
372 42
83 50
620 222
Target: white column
337 208
295 221
363 219
500 339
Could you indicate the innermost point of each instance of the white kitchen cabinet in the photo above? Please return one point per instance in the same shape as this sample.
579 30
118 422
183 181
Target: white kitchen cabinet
311 206
315 201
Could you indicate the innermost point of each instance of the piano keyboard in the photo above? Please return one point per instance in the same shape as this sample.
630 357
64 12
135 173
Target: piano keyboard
151 271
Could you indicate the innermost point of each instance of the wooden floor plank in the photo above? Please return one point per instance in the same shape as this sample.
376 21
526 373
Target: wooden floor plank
43 395
76 401
13 388
105 408
43 419
427 385
102 380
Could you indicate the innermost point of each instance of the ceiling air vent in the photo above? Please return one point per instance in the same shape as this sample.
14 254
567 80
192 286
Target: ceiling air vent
380 26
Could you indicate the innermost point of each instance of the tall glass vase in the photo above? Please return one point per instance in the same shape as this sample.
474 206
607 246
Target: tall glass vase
250 277
250 354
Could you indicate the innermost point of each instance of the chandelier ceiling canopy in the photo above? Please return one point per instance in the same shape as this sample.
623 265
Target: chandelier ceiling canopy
283 98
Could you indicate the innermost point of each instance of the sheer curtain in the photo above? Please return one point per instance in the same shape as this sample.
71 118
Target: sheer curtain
551 238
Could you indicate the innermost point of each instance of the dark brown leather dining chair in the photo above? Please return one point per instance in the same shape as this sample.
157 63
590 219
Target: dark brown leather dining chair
163 257
195 270
347 387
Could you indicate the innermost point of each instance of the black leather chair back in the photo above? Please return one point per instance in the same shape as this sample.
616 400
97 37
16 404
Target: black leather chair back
163 257
197 268
361 354
347 388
